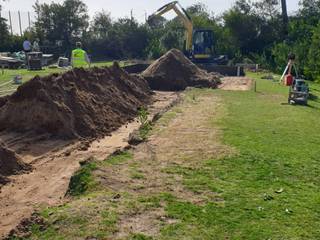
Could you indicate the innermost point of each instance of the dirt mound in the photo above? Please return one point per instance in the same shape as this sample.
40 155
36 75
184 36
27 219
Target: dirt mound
77 104
3 180
3 100
10 164
174 72
23 230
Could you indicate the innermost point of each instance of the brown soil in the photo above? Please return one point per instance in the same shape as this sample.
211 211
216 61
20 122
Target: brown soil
79 103
54 161
236 83
23 230
174 72
3 180
10 164
3 100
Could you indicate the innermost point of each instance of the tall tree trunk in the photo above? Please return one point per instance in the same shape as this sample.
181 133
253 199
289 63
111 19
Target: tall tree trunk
285 18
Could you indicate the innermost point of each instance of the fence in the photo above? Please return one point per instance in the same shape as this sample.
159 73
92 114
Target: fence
18 21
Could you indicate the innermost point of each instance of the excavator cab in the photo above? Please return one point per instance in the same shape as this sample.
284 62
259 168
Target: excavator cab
202 45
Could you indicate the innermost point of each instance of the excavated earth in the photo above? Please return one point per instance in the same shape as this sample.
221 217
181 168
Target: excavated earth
10 164
174 72
54 122
77 104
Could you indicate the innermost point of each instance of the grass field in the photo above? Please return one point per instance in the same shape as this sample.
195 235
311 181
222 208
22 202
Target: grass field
268 188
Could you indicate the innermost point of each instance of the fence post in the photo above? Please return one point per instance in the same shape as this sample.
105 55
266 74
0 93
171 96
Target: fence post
10 23
29 20
20 23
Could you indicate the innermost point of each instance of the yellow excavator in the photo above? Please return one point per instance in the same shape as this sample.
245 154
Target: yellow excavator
199 43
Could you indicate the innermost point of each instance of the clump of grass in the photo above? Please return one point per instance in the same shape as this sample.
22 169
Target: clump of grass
82 180
119 157
137 175
139 236
146 126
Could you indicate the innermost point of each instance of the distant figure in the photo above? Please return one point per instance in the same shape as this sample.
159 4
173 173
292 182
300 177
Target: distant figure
79 57
35 46
27 47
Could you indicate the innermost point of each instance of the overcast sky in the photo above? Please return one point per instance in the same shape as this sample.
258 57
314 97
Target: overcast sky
120 8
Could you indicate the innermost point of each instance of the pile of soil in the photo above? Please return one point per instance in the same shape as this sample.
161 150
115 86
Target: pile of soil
174 72
77 104
10 164
23 230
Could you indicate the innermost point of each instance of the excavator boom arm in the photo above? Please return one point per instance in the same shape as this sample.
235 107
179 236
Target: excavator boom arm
183 15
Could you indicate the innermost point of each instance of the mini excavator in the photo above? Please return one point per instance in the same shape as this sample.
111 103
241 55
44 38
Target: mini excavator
199 43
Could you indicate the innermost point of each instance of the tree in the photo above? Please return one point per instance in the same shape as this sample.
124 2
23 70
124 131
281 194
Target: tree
133 37
172 39
66 22
124 38
313 65
254 26
4 35
244 29
101 25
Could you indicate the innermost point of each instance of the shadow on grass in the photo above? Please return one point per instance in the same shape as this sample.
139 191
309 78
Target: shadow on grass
314 98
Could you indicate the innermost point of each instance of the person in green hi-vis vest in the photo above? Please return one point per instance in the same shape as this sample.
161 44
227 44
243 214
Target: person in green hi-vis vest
79 57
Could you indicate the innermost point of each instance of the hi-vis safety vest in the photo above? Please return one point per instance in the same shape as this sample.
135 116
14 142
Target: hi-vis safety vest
79 58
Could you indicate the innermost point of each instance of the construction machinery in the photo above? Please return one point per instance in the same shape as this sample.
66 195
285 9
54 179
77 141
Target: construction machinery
298 92
34 60
298 88
199 43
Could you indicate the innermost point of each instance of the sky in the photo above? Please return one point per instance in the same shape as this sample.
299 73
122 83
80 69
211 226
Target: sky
121 8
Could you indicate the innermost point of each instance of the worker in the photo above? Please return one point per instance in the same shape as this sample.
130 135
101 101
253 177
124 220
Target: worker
27 47
35 46
79 57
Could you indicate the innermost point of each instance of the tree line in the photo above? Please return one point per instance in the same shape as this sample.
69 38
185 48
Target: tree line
250 31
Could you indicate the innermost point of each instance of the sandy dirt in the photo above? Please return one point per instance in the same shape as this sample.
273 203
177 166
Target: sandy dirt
11 163
236 83
54 162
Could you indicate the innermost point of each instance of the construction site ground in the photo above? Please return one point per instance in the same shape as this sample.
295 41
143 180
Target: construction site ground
55 161
218 165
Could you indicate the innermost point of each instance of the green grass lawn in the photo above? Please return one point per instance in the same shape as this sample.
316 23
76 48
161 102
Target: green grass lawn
270 189
8 75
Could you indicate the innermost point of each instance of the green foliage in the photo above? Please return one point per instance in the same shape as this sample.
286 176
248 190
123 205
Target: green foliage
119 158
65 22
82 180
124 38
155 49
280 53
146 126
172 39
139 236
4 34
313 66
